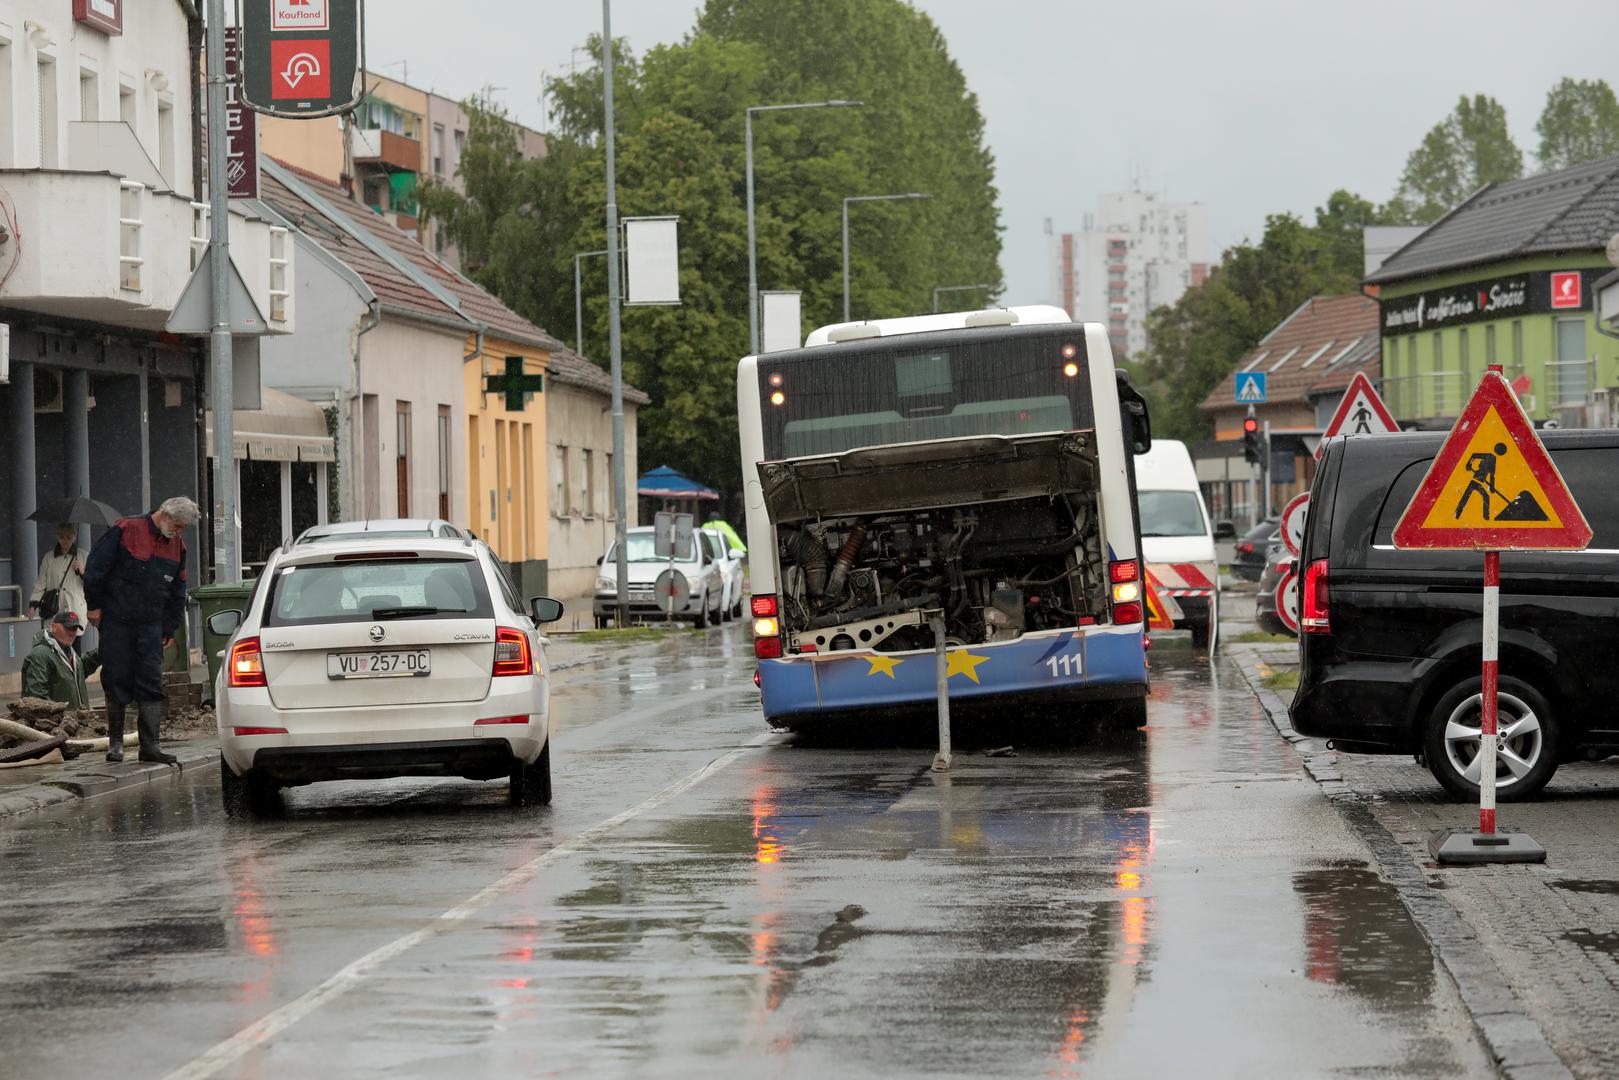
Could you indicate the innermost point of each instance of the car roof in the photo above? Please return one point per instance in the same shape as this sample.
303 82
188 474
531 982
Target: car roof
336 528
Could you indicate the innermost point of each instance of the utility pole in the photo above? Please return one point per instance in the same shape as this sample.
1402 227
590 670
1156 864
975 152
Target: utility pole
227 554
621 615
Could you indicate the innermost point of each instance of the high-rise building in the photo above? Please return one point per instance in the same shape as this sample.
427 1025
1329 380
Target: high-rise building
1136 253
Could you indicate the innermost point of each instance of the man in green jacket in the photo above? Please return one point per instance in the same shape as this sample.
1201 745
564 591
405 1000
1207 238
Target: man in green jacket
53 671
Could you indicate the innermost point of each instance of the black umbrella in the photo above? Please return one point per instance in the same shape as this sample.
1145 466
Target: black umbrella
78 510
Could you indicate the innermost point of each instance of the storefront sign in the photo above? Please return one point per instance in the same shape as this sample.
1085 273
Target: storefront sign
1510 297
241 127
105 15
302 58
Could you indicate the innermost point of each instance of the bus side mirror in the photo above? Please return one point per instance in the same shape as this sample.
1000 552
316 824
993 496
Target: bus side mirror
1140 426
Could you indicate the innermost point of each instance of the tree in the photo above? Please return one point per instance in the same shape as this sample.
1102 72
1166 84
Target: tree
1196 341
1468 149
1341 227
679 127
1579 123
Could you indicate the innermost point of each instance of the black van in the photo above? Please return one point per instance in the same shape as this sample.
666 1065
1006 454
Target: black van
1390 640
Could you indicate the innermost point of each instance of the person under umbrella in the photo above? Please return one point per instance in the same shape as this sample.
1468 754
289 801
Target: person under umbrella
60 584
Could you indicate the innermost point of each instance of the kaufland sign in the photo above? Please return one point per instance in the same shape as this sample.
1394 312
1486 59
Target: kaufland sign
300 15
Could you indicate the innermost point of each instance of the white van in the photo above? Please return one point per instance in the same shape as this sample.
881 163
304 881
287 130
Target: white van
1177 540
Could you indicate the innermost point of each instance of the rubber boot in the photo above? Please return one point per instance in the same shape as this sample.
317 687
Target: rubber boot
151 715
115 731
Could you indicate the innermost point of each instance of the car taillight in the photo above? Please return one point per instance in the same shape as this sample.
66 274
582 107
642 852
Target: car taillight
247 664
1246 549
512 655
764 607
1313 615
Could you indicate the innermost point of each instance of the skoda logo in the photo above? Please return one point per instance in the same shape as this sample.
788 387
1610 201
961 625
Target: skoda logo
378 633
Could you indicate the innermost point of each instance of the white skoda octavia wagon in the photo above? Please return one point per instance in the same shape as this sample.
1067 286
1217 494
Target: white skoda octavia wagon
359 660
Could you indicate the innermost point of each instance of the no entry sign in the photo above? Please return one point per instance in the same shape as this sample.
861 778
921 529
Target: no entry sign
302 58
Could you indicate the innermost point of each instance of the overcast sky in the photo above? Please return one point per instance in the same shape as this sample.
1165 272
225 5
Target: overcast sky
1250 107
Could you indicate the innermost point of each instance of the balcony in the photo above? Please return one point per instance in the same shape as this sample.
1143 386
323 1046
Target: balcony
110 249
387 150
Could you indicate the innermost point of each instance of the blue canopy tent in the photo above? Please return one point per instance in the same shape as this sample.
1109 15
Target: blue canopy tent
665 489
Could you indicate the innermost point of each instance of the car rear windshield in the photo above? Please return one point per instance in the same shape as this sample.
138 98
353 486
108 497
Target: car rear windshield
363 590
640 547
1170 513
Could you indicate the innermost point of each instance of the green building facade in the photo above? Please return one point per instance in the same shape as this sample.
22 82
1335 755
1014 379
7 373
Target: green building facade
1509 277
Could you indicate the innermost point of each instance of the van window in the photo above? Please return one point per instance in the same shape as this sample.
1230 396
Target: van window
1588 471
1170 513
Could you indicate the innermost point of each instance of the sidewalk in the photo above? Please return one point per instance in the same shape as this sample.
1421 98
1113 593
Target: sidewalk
1534 949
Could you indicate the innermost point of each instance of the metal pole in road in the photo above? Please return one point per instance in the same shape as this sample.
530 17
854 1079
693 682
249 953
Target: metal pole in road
622 603
940 290
753 249
907 196
227 554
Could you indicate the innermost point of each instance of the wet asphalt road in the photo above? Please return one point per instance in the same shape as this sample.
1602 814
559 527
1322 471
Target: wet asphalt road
1179 902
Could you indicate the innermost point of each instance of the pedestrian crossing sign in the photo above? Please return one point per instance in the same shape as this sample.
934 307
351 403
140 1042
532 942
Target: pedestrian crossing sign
1251 387
1492 486
1361 412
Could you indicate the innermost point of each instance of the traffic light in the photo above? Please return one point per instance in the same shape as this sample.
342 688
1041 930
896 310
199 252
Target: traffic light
1250 438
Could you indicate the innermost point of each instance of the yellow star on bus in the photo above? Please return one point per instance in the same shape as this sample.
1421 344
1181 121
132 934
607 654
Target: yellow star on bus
882 665
964 663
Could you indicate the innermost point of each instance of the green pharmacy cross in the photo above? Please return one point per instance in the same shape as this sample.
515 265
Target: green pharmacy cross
514 384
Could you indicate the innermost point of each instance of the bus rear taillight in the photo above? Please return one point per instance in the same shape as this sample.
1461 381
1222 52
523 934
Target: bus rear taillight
1126 578
766 627
764 606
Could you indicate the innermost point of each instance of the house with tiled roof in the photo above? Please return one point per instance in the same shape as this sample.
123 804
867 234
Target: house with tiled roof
1308 360
451 402
1505 278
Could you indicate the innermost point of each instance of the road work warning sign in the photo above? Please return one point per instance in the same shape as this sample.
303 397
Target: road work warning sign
1492 486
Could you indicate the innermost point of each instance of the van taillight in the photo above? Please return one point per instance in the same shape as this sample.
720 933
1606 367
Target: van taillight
1313 606
247 664
512 655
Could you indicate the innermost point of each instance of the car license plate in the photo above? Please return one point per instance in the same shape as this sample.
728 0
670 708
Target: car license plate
379 664
640 598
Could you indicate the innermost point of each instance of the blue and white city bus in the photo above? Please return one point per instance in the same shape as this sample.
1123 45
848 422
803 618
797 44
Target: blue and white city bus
976 463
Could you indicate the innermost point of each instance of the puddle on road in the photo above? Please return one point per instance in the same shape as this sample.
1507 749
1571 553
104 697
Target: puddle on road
1592 941
1358 935
1600 886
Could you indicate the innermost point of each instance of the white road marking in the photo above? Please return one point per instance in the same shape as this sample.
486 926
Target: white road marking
274 1023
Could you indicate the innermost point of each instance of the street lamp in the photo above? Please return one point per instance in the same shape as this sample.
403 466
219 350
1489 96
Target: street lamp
908 196
753 254
940 290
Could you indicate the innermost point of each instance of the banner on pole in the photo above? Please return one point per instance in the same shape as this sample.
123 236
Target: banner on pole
652 260
783 320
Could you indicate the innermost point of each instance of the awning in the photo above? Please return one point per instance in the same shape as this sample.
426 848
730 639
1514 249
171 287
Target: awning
665 483
287 429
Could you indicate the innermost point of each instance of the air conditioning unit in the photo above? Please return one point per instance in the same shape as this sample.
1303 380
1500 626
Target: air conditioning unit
47 390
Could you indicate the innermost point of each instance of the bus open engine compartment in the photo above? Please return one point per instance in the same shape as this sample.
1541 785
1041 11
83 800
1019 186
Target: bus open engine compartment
996 569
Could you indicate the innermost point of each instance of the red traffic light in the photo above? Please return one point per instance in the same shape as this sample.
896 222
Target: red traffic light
1250 425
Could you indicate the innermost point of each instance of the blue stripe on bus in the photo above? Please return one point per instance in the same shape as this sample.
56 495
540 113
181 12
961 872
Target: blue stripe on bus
1073 660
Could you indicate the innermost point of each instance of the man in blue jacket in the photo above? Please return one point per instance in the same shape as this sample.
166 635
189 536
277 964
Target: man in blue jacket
135 587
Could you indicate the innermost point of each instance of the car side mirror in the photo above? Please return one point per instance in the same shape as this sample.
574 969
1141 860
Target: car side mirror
224 623
600 559
545 610
1225 530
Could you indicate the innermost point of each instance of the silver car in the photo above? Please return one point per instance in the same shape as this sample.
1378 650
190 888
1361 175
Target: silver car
695 575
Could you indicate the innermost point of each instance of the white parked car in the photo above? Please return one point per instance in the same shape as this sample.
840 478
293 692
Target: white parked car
360 660
731 569
700 583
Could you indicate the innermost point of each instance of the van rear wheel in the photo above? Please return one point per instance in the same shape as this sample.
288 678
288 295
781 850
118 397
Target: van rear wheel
1529 748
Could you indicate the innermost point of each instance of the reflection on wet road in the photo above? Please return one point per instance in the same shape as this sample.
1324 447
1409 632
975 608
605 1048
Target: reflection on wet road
1177 899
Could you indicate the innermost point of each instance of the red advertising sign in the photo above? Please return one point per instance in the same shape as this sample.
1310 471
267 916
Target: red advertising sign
1566 290
241 127
104 15
1492 486
301 69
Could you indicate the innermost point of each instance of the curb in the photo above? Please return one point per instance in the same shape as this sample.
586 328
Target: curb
87 780
1513 1037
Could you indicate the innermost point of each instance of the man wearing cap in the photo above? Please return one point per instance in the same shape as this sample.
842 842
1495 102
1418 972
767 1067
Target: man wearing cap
53 671
135 584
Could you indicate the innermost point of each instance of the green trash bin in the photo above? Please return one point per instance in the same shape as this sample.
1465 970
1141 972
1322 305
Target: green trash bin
212 599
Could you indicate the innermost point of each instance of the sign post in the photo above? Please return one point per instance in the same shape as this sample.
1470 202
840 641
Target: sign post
1461 506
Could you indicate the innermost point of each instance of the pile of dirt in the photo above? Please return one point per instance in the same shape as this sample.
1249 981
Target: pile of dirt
54 718
187 721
